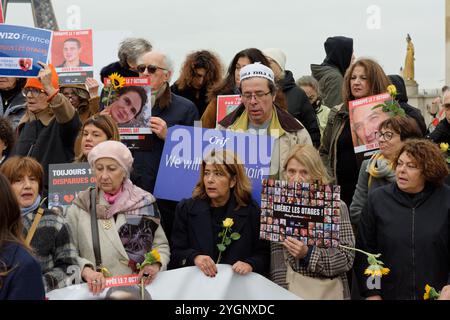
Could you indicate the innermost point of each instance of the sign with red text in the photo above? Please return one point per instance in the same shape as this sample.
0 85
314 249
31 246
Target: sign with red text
72 55
120 281
226 104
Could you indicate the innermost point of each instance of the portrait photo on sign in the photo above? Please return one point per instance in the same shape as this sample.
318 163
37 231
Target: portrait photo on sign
72 49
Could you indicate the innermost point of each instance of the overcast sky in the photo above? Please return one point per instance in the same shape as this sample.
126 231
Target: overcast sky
298 27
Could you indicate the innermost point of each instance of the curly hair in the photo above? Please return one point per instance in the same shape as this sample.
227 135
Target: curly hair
7 135
196 60
377 80
428 157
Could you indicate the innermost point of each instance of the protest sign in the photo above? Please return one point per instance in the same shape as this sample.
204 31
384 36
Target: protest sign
21 48
1 13
309 212
66 181
364 121
185 147
72 55
226 104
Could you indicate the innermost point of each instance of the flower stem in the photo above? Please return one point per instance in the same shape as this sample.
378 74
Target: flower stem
223 241
350 248
109 96
142 288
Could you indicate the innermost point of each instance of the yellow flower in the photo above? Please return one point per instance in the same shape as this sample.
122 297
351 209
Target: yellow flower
426 295
392 90
156 255
376 272
117 81
444 147
228 222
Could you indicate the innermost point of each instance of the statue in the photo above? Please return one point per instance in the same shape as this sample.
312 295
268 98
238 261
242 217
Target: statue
408 72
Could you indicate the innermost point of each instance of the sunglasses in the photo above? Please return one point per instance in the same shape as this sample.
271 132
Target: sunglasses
150 68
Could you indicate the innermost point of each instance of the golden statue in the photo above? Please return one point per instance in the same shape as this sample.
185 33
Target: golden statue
408 72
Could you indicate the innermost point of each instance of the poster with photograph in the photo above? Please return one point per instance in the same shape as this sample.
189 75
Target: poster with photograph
226 104
309 212
72 55
65 182
130 106
21 48
364 121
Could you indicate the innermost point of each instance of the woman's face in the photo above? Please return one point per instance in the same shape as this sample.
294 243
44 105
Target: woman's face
242 62
126 107
92 136
410 178
26 189
70 94
217 185
389 142
109 174
359 85
296 172
7 83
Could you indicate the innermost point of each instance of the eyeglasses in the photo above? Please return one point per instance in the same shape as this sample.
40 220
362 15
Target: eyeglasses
386 136
257 95
150 68
34 92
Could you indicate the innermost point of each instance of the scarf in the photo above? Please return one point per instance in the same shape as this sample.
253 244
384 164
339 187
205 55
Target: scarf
275 129
380 167
31 208
45 116
111 198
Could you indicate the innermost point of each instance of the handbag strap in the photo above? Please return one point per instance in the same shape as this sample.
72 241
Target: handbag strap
37 219
94 229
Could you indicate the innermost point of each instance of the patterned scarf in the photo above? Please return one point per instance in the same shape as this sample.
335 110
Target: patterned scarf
380 167
31 208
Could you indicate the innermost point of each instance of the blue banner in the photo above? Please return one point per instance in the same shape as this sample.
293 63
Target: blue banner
185 147
21 48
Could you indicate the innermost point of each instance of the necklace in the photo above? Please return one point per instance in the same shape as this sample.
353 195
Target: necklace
107 224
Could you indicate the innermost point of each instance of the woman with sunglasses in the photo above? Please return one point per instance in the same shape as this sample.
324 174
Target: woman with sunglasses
378 170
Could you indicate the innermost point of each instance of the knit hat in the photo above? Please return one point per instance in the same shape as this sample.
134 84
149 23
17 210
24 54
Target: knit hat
36 83
112 149
276 55
257 69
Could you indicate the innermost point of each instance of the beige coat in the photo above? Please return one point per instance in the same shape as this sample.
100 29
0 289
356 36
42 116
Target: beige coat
113 254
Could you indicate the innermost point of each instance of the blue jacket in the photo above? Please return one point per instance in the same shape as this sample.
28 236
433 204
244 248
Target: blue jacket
24 281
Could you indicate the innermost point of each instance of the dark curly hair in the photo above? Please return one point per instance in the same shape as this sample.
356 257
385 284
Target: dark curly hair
428 157
196 60
7 135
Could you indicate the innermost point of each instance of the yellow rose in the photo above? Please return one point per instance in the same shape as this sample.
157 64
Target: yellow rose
392 90
228 222
156 255
444 147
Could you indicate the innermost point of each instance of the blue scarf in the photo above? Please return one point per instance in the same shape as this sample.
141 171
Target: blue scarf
31 208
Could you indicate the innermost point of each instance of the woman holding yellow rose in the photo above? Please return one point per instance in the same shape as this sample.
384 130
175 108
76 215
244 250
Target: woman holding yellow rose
221 204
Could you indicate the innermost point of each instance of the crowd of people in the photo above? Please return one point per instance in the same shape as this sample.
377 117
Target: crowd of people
394 202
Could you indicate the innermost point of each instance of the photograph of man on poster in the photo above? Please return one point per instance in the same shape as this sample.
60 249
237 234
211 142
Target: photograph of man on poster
71 53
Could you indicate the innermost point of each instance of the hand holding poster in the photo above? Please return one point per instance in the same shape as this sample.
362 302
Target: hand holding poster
21 48
226 105
364 121
308 212
72 55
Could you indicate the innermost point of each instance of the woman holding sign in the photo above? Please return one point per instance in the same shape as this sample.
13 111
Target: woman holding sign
116 224
223 192
310 271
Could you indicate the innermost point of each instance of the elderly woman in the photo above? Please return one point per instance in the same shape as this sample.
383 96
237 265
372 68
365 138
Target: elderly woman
294 263
51 239
223 191
20 273
408 223
126 222
377 171
96 129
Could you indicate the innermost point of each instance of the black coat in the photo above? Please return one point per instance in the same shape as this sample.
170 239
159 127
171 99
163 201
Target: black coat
193 235
300 107
413 236
191 94
441 133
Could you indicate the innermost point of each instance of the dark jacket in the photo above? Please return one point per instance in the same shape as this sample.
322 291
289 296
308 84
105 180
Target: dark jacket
24 281
412 233
330 73
193 235
13 105
441 133
191 94
402 99
146 163
53 143
300 107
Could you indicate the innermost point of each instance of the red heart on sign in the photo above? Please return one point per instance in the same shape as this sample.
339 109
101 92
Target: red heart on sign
25 64
68 198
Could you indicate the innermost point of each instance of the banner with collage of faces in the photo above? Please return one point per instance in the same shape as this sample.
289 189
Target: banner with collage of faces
309 212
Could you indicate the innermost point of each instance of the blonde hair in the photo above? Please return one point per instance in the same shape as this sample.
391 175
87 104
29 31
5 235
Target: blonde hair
228 163
308 157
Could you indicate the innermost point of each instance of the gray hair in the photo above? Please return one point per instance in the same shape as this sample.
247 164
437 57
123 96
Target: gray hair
168 64
131 49
309 81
